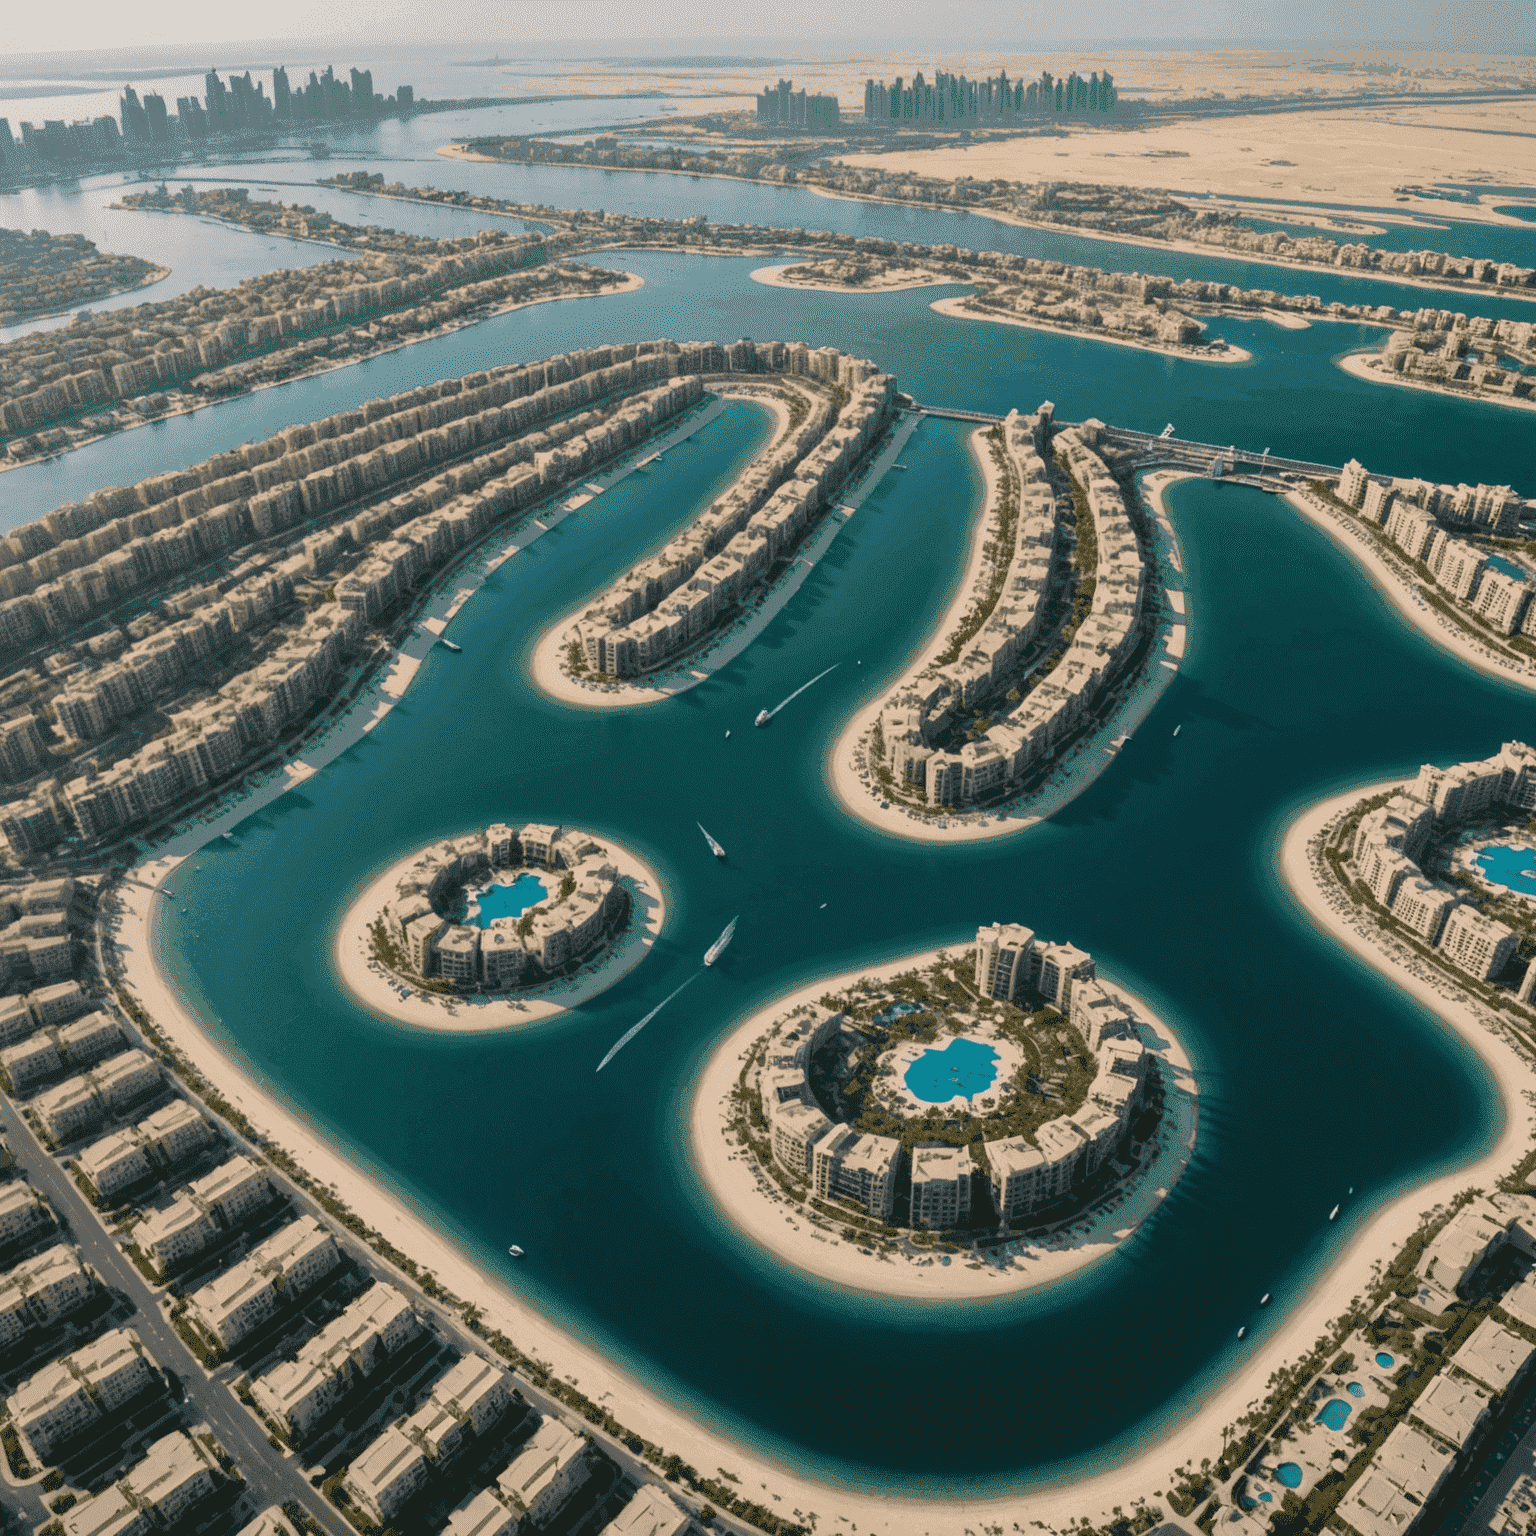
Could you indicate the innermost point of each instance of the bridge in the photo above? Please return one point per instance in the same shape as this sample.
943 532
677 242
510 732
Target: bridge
1219 460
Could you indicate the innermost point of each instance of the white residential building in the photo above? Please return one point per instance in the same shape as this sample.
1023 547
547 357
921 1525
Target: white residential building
551 1466
385 1476
649 1513
941 1186
1479 945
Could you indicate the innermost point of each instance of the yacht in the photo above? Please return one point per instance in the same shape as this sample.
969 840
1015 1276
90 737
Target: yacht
1333 1213
763 717
443 640
717 949
1264 1299
714 847
515 1251
1242 1332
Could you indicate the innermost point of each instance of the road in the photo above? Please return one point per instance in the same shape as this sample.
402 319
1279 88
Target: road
271 1477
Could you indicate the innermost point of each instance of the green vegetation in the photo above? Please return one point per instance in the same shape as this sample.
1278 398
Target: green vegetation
15 1457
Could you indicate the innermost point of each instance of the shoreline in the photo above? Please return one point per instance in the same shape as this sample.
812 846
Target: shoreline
753 1208
1355 364
954 309
700 664
1187 247
1430 622
1194 1436
1088 757
773 277
632 282
156 274
374 987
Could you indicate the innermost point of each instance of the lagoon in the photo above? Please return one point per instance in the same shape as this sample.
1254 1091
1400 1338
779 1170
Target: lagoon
1297 672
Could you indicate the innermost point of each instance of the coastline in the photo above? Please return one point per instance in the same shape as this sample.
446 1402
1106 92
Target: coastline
773 277
954 309
744 1196
699 665
1430 622
632 282
1355 364
469 1013
1196 1435
1089 756
22 322
1188 247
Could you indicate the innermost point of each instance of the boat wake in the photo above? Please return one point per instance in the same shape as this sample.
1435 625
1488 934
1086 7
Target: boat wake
765 715
629 1035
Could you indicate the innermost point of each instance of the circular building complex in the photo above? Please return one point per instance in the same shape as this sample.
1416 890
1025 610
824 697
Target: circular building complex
502 909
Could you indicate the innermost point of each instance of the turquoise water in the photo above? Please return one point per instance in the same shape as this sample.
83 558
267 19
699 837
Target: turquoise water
1295 670
962 1069
1355 1389
1512 865
1288 1474
1385 1361
1334 1415
1508 567
1266 1497
507 900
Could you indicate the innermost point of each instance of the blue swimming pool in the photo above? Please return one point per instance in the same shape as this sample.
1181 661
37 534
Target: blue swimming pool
1288 1474
1512 865
1266 1497
1385 1361
1335 1412
1507 567
506 900
896 1011
1355 1389
963 1068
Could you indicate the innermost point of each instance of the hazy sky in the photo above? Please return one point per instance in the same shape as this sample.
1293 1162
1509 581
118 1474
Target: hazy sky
704 26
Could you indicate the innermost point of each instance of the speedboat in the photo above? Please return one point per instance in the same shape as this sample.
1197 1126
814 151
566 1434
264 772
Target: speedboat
763 717
1264 1299
1333 1213
515 1251
717 949
714 847
1242 1332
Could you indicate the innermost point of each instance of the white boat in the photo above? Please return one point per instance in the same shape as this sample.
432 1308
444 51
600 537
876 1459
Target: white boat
714 847
727 735
1177 729
515 1251
1264 1299
717 949
1242 1332
763 717
445 641
1333 1213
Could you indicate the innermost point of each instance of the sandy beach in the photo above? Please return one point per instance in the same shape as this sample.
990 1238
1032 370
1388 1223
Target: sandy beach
1196 1436
894 281
756 1208
1358 365
723 645
955 309
1352 536
1090 756
377 989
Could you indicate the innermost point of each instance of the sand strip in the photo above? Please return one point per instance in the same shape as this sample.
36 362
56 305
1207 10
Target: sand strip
1358 366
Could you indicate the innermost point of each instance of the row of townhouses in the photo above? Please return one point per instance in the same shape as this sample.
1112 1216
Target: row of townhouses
924 709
